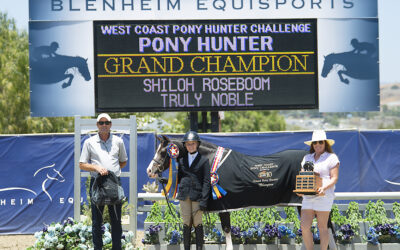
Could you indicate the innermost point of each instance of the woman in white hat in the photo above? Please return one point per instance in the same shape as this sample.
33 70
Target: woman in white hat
326 164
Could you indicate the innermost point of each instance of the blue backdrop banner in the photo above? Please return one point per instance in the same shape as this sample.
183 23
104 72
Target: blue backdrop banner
36 181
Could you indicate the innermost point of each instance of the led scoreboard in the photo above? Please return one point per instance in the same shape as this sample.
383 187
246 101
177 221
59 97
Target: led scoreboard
210 65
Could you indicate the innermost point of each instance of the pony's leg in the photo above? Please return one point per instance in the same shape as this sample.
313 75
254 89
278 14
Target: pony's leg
340 73
68 83
226 227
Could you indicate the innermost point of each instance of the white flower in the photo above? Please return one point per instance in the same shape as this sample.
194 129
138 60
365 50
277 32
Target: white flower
54 239
51 229
58 227
68 229
82 246
83 240
107 238
47 237
128 236
107 227
75 228
60 246
107 234
47 244
38 234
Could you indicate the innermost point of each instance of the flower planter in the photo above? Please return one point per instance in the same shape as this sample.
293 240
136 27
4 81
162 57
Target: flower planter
354 246
161 234
286 240
386 239
361 232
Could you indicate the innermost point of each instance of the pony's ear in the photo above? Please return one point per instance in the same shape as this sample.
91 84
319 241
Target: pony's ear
159 138
165 138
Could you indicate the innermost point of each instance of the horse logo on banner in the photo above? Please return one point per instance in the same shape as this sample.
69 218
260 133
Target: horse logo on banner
359 63
50 173
47 67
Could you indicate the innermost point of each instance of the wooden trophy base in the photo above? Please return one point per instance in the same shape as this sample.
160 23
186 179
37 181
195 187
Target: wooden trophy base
307 183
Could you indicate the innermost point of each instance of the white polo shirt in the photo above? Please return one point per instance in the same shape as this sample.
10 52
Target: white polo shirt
107 154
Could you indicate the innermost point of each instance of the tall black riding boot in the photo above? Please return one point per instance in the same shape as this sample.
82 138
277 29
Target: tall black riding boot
186 236
199 237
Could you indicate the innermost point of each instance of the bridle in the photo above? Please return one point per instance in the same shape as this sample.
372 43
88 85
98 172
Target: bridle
160 163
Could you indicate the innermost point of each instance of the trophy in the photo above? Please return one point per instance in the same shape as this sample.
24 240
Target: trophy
307 181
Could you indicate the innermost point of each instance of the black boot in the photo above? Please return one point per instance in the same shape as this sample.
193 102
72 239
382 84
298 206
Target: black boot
186 236
199 237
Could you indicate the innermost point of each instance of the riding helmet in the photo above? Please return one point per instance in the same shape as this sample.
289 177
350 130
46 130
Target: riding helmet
191 136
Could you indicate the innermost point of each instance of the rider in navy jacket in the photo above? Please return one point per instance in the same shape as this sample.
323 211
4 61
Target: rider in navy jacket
194 189
194 181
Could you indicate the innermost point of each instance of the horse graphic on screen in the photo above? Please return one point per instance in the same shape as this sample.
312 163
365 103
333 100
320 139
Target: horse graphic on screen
48 67
250 181
358 63
49 173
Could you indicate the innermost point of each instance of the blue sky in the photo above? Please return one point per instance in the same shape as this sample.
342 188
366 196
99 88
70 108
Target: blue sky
389 33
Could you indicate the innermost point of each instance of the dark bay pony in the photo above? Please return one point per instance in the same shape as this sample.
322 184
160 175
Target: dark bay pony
54 69
357 66
250 181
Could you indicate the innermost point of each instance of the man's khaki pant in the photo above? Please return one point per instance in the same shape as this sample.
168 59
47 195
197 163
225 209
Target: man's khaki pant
190 211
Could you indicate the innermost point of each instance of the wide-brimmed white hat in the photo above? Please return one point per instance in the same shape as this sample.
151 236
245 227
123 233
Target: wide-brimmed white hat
104 115
319 135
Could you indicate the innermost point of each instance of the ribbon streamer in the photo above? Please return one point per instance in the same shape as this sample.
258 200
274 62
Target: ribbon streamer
172 184
217 190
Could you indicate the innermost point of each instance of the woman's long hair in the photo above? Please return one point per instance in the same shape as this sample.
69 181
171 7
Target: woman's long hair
328 148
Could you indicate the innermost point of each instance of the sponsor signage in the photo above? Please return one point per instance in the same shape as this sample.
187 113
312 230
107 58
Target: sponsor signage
205 65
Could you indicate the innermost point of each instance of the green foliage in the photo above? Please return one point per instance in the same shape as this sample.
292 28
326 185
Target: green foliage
354 216
376 213
396 212
177 124
337 217
292 217
171 215
155 215
209 220
269 215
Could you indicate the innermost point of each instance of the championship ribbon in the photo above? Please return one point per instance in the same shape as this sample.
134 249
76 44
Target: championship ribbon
217 190
172 184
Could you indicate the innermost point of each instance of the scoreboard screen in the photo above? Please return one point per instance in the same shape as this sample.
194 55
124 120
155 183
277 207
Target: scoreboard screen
205 65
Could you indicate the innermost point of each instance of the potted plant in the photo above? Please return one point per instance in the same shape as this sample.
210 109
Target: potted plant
236 235
253 235
355 224
155 218
345 234
285 234
173 236
292 223
151 236
270 234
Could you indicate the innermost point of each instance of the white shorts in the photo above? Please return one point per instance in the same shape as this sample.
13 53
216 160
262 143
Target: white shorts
317 203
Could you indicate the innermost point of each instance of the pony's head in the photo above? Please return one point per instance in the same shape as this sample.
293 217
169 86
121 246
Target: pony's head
83 68
328 64
161 158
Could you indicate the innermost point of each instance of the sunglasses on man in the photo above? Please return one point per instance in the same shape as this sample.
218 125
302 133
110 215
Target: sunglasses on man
106 123
319 142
